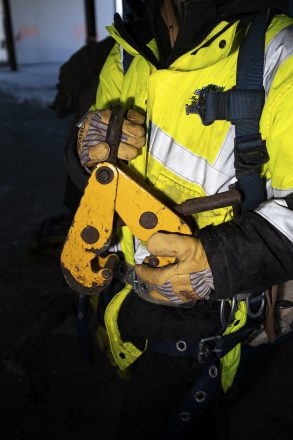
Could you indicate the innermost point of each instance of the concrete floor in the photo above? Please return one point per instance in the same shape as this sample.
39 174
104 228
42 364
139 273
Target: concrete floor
31 82
62 397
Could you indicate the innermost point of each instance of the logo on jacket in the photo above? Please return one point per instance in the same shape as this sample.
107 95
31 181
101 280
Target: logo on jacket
198 100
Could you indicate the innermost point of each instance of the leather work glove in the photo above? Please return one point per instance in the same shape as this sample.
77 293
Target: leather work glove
186 280
91 145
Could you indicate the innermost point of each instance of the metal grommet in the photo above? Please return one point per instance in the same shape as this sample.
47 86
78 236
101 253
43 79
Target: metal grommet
213 371
222 44
185 416
200 396
80 315
181 345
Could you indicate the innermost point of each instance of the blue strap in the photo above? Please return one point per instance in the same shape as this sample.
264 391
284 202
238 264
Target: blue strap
197 399
248 142
193 348
185 347
242 105
234 105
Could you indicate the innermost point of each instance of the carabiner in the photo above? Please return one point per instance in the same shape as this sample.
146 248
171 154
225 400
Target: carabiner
249 301
225 323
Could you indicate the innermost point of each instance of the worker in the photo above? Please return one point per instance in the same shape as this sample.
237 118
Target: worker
194 46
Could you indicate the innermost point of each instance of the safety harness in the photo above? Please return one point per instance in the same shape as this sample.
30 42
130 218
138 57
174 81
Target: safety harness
242 106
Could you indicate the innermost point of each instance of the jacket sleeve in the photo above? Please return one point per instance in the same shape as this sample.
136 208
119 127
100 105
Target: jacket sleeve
255 250
248 254
111 81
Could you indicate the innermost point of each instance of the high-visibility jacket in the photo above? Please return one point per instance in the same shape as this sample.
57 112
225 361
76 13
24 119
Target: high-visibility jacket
183 158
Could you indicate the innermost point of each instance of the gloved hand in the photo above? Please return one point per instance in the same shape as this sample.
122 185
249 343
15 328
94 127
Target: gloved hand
91 145
187 280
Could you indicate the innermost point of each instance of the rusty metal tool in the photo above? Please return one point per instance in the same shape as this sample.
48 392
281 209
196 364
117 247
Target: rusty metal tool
208 203
85 267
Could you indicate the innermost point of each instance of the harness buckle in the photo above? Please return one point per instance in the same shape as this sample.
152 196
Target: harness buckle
212 344
250 153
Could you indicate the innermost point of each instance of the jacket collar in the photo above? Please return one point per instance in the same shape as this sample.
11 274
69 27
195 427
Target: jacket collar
201 55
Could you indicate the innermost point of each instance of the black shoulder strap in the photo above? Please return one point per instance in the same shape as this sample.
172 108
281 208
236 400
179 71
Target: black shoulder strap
250 150
242 106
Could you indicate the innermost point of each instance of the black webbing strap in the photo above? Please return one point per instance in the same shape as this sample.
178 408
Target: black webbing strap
242 106
250 151
234 105
219 345
199 396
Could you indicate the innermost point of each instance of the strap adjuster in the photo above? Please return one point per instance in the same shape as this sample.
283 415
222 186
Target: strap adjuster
250 153
198 107
212 104
213 344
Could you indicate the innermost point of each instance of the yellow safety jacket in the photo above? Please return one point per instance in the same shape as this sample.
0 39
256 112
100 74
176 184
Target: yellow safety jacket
183 158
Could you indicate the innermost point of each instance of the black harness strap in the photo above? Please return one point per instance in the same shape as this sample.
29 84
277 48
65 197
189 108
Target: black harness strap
234 105
250 150
242 106
196 401
219 345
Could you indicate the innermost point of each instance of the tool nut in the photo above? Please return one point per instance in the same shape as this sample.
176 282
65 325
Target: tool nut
90 235
107 274
104 175
154 262
148 220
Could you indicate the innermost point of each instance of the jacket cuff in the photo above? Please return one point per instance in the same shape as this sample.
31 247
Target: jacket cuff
218 262
247 255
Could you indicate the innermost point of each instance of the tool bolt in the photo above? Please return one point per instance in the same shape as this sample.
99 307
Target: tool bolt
107 274
90 235
148 220
104 175
154 262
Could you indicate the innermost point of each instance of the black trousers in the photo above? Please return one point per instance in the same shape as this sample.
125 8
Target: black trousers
160 382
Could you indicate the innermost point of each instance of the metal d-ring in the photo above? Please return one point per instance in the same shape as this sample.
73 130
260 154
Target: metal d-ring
227 322
260 310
